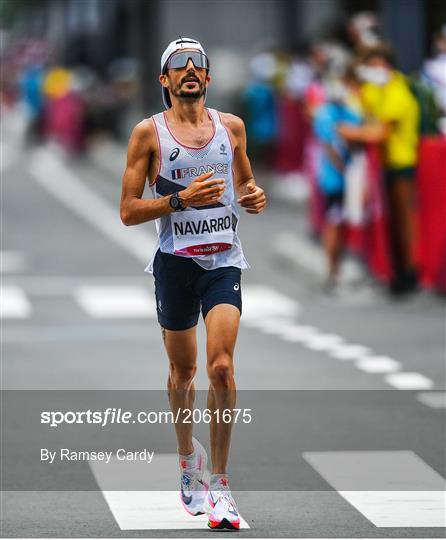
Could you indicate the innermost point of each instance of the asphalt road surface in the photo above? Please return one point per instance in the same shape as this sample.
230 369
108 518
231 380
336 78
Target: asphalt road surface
349 408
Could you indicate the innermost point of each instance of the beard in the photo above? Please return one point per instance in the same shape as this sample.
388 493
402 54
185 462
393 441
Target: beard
190 95
184 94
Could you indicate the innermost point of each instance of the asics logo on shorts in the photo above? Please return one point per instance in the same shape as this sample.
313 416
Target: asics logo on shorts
236 287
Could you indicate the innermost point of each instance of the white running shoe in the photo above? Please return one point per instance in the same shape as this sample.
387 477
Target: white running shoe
193 489
223 513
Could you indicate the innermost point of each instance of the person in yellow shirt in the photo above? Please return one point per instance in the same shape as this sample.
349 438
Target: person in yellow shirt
393 118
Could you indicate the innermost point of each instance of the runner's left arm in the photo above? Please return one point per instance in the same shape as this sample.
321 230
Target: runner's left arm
251 196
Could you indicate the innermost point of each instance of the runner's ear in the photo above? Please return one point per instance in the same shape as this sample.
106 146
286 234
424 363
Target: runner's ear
163 80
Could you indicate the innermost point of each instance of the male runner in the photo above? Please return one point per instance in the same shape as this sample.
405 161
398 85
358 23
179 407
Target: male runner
195 158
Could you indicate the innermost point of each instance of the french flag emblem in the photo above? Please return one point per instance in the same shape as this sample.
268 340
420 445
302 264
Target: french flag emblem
176 174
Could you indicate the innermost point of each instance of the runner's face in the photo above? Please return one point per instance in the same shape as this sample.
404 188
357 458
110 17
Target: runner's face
188 82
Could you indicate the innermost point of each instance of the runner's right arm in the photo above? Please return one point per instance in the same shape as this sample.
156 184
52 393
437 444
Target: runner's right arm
134 209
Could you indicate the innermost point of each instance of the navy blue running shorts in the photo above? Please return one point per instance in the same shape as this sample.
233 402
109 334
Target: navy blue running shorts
182 287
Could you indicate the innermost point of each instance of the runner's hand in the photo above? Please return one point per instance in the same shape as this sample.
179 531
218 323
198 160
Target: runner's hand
254 201
202 191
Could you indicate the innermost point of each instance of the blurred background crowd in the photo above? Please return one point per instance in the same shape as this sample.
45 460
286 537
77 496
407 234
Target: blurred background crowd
344 103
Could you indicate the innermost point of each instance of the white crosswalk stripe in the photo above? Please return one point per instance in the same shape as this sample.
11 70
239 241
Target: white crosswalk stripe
390 488
14 303
116 302
142 509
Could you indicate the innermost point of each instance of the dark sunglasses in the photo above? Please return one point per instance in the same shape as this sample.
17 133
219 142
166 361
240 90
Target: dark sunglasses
180 60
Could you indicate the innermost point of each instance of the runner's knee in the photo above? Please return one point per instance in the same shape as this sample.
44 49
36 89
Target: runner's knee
220 370
181 377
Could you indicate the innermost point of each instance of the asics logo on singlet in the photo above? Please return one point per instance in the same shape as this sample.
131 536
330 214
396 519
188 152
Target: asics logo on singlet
220 168
174 154
223 150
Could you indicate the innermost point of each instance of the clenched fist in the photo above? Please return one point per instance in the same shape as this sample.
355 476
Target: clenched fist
254 201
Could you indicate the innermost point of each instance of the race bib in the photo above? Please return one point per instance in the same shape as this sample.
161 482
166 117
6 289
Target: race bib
202 232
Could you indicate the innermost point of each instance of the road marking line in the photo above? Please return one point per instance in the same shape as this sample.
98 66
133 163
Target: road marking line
350 352
116 302
268 325
299 333
312 338
323 342
409 381
390 488
146 510
272 313
14 304
378 364
436 400
12 262
52 174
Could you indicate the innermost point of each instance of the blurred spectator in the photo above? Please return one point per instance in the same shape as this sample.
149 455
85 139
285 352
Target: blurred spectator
363 30
123 74
260 108
342 107
394 115
430 112
57 82
434 70
315 93
328 61
292 121
31 86
65 110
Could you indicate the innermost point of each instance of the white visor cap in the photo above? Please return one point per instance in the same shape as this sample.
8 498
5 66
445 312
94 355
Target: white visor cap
174 46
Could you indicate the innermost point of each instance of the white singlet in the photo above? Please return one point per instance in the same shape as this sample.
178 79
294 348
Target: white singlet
207 234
